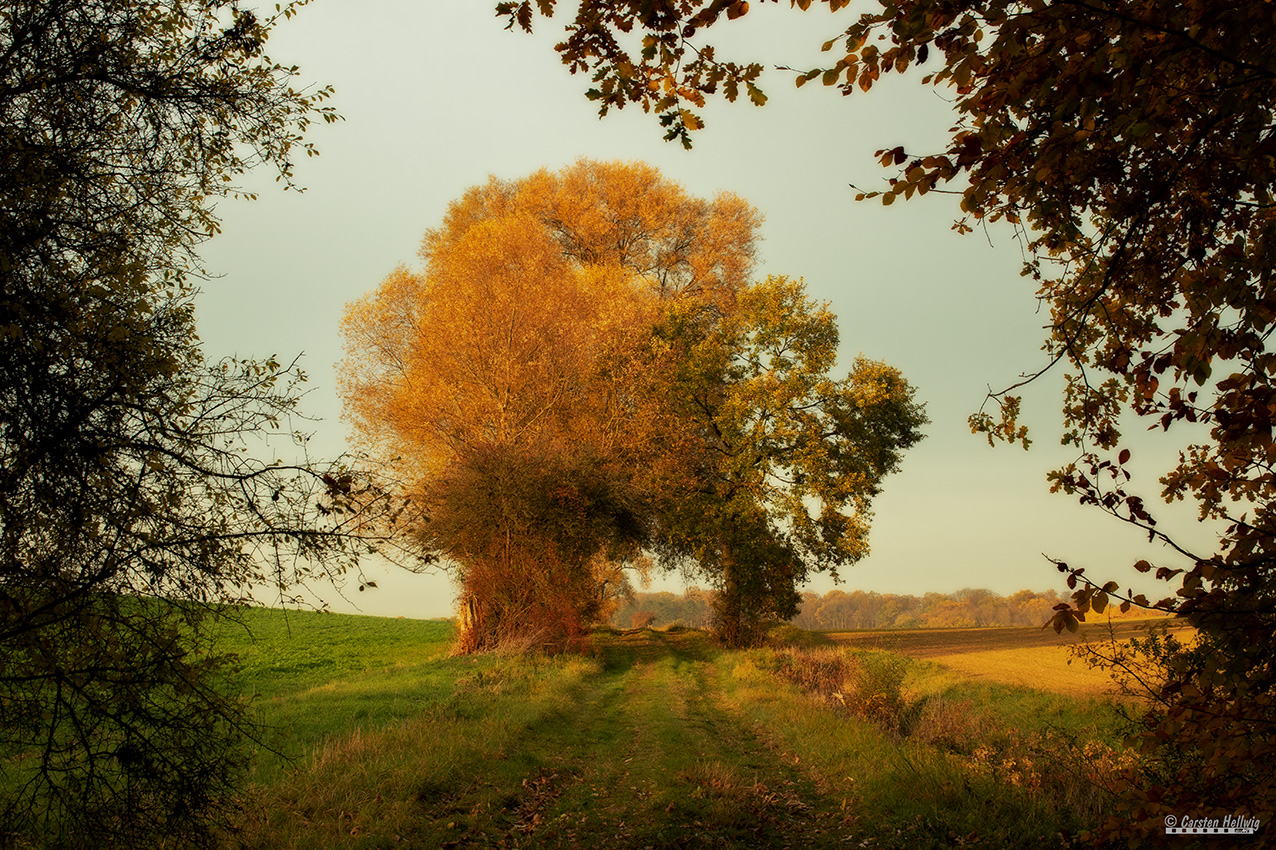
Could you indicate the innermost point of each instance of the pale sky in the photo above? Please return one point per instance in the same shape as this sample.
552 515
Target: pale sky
436 97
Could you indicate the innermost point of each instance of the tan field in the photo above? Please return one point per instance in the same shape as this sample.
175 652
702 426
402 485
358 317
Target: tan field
1032 657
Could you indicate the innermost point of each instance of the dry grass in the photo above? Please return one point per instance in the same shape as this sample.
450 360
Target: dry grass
1032 658
1045 668
868 685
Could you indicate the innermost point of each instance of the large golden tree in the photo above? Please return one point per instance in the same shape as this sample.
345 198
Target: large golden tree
507 387
583 372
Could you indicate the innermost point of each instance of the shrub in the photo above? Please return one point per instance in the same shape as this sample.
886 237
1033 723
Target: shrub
869 686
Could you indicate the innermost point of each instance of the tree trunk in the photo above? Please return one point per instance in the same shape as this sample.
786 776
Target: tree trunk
469 627
728 614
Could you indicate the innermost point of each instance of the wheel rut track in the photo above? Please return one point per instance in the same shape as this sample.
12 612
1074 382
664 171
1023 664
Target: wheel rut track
653 756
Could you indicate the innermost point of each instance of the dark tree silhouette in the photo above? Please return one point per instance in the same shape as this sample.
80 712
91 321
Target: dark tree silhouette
129 505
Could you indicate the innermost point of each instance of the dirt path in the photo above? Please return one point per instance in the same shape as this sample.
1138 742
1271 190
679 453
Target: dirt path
651 757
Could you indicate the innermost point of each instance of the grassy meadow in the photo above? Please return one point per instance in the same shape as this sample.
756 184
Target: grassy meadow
380 738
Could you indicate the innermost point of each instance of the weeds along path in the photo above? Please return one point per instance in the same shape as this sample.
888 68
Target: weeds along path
651 756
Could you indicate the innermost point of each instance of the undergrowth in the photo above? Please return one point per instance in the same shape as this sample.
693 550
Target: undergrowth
1062 754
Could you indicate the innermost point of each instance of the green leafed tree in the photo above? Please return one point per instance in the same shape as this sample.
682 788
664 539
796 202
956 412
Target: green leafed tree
130 506
779 461
1131 145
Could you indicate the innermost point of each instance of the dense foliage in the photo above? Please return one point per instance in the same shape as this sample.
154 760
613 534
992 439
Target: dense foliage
779 479
583 373
128 503
506 389
1131 145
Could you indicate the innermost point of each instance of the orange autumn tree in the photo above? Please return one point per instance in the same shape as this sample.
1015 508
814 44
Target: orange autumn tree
507 386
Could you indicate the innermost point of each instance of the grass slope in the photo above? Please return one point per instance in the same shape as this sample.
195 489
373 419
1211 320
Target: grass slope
655 739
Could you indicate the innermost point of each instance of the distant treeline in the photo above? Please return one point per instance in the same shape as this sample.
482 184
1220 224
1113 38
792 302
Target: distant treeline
859 609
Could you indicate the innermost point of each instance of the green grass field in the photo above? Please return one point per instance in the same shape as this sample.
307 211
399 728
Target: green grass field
379 738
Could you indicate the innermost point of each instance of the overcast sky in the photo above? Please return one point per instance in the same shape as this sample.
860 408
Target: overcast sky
436 97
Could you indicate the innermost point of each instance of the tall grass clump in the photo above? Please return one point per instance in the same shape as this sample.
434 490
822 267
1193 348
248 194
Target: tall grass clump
867 685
